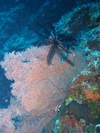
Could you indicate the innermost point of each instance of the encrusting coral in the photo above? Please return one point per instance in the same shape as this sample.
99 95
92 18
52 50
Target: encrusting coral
92 95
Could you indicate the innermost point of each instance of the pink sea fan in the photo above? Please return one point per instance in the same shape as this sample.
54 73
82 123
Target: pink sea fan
39 88
6 125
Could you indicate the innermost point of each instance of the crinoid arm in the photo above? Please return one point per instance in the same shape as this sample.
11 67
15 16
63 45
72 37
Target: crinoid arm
41 26
64 57
69 61
51 54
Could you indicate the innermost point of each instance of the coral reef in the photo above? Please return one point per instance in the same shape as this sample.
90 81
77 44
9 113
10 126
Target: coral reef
83 101
40 91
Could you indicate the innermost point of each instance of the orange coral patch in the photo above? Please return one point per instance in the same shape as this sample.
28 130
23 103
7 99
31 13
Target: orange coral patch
92 95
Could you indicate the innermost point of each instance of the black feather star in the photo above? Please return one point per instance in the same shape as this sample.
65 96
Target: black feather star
60 49
59 45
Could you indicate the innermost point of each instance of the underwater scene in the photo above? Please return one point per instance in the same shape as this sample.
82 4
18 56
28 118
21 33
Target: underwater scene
50 66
